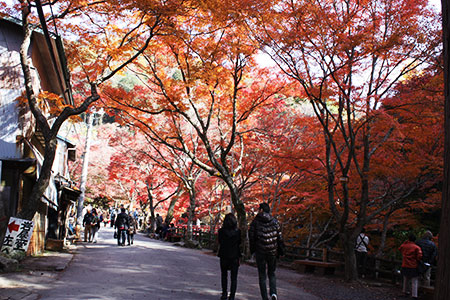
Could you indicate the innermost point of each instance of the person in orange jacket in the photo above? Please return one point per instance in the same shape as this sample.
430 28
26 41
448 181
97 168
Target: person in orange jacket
411 255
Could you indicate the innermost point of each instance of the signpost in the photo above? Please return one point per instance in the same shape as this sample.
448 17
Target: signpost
17 237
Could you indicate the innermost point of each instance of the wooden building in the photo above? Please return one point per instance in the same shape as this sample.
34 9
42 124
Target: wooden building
21 144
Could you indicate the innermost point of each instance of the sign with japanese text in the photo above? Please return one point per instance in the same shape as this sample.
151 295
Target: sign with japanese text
18 235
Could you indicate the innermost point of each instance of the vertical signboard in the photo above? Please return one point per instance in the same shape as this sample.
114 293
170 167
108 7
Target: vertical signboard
18 235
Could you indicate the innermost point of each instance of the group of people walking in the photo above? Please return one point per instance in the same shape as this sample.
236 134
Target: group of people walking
417 258
266 243
125 228
91 222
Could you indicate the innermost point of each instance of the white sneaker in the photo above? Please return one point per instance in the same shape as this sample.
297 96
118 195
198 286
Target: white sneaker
274 297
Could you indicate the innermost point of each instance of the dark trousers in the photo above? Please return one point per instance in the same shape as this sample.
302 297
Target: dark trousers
231 265
361 261
130 237
121 235
269 262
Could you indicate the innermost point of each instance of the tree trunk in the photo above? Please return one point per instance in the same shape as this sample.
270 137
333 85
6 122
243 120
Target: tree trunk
170 210
151 208
191 213
30 207
241 217
348 244
442 289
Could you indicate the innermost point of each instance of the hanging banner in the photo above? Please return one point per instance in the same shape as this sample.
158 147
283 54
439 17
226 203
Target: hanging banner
18 235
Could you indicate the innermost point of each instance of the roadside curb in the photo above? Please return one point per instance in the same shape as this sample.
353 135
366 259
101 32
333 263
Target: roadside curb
48 261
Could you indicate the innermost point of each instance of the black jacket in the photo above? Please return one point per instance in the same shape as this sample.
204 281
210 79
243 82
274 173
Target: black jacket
87 220
229 243
122 221
429 250
265 235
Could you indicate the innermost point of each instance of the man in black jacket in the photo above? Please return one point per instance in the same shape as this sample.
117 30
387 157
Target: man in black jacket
429 253
87 220
267 243
122 226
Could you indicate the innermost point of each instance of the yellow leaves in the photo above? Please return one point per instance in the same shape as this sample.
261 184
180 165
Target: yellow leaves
50 103
22 100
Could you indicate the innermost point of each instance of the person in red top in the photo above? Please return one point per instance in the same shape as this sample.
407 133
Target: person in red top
411 254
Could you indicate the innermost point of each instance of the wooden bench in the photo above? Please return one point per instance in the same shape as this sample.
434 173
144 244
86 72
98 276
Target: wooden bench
427 292
310 266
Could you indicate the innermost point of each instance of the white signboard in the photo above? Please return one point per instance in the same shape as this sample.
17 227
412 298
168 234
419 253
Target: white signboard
18 235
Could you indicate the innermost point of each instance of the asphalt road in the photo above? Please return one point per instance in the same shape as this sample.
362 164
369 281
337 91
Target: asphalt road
152 269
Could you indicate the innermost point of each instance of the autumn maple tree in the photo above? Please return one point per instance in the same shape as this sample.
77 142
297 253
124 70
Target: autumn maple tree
144 183
199 88
345 56
106 37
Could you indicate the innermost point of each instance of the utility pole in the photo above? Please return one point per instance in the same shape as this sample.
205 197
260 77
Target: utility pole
84 170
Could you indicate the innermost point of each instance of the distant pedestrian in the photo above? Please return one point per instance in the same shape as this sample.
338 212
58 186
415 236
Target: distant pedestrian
95 225
411 255
132 229
105 218
429 254
159 225
267 243
87 220
113 217
362 242
169 231
121 226
229 252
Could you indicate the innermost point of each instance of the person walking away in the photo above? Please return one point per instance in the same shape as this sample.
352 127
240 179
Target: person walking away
159 225
429 254
132 229
87 220
95 225
362 242
113 217
229 252
266 243
411 255
105 218
121 225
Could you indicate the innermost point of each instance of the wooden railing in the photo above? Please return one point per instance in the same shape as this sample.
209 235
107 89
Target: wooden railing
206 240
376 267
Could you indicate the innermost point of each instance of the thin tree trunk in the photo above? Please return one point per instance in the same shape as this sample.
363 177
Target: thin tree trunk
171 208
191 214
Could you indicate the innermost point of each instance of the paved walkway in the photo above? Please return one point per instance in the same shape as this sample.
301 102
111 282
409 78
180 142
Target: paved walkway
149 269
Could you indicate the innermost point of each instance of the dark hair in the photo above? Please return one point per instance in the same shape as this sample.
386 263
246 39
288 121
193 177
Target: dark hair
122 209
363 230
412 237
94 211
229 222
265 207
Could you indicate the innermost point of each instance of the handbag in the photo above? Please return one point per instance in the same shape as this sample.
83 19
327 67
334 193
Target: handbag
115 234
